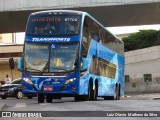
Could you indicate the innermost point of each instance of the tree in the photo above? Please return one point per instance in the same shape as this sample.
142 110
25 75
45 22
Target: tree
142 39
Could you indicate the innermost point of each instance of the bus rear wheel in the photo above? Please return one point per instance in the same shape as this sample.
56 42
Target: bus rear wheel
90 95
117 93
95 94
40 98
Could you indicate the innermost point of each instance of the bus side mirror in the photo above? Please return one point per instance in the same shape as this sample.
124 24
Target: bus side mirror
84 63
20 64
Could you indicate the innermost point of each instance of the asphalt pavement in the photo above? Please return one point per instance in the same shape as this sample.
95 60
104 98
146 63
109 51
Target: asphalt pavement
142 96
128 96
2 105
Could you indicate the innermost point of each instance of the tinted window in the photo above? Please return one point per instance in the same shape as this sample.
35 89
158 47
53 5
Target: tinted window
103 68
92 30
53 25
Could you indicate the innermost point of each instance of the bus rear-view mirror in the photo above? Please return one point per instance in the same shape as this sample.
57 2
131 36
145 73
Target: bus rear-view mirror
20 64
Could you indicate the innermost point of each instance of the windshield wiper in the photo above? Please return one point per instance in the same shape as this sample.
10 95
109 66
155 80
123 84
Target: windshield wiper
32 69
45 67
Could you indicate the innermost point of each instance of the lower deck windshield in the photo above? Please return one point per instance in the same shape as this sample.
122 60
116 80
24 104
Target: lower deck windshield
54 57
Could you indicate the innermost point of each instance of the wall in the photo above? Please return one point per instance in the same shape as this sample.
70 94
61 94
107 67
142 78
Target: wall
140 62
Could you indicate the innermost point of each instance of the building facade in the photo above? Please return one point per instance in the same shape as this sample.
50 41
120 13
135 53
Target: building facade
142 70
6 52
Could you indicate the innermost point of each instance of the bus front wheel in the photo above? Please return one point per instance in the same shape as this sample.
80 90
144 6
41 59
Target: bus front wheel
40 98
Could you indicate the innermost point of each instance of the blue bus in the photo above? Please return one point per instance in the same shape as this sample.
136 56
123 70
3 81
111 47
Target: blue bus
69 53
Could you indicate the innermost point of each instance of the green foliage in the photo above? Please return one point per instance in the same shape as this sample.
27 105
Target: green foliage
142 39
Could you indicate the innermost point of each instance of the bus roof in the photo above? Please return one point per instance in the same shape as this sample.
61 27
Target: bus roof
58 12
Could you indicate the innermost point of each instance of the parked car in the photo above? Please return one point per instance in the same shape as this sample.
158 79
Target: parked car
13 89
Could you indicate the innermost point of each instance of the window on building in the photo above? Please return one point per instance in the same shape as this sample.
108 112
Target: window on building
127 79
133 85
147 77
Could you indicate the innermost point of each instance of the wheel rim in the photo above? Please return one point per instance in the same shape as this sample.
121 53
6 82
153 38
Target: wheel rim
19 94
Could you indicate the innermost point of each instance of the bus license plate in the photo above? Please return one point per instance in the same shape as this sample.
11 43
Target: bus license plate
48 88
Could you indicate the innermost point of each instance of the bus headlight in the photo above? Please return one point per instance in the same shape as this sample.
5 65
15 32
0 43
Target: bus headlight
70 81
28 81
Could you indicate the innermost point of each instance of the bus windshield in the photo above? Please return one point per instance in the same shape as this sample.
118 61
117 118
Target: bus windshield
54 25
59 57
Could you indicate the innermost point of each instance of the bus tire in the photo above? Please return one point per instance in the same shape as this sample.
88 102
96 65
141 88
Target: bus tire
90 95
87 97
48 98
40 98
91 92
117 93
78 98
96 91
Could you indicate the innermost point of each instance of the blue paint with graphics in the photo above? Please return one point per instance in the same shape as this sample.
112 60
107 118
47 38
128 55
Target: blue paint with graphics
106 86
58 83
50 39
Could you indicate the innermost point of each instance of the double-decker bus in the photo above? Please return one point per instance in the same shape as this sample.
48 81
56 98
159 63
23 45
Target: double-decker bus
69 53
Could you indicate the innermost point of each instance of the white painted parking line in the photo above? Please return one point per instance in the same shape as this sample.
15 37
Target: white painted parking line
20 105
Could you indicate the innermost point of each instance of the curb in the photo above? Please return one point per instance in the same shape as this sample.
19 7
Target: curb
126 96
2 107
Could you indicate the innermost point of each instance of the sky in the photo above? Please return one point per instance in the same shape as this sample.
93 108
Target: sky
132 29
114 30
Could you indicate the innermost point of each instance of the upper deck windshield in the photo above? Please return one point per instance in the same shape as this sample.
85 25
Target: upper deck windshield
54 25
